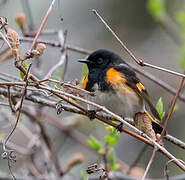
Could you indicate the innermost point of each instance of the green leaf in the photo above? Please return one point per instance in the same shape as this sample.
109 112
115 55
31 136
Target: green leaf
2 97
58 85
156 8
95 144
112 156
20 119
59 102
159 107
113 137
24 63
113 165
83 175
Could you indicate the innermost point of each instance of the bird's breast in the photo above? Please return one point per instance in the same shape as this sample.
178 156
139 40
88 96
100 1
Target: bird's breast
125 104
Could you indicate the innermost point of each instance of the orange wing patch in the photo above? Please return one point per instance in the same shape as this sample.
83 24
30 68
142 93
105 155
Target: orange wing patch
140 87
85 82
115 77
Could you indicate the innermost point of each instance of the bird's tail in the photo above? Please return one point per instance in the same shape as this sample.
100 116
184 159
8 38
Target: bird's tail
155 125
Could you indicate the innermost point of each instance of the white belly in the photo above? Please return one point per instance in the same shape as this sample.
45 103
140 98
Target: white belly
124 105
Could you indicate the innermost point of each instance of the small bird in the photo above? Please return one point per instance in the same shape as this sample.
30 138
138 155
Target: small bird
119 89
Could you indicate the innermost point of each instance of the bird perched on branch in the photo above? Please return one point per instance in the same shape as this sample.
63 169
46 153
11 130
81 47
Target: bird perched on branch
118 88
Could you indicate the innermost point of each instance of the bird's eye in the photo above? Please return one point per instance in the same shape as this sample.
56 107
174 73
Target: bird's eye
99 60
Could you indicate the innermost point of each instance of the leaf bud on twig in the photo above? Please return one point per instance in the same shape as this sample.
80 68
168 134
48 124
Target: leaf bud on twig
20 20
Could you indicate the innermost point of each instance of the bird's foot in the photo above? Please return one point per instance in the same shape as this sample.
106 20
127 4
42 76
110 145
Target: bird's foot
119 127
92 113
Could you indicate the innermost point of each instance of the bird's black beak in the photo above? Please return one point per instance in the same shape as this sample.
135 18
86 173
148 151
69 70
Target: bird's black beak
86 61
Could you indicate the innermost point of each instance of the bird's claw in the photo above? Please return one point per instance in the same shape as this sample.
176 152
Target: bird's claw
119 127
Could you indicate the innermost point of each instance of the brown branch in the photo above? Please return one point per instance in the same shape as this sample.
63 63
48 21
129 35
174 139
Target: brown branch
50 103
63 95
158 81
42 25
52 151
22 98
161 83
8 154
164 128
171 109
56 44
138 61
10 101
150 162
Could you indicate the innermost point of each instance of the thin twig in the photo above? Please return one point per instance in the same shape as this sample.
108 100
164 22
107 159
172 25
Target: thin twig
10 101
171 109
150 162
7 154
138 61
63 95
50 103
112 114
166 168
164 128
42 25
49 145
158 81
23 95
62 59
4 38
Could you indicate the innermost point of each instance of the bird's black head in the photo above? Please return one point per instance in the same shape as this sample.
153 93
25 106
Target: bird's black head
102 58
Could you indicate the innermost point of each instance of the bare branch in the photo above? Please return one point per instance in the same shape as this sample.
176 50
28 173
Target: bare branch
138 61
171 108
42 25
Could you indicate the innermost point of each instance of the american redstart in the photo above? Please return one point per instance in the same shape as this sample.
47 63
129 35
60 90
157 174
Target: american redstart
119 89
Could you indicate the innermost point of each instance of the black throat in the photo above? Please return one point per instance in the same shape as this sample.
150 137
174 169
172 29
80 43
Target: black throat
97 76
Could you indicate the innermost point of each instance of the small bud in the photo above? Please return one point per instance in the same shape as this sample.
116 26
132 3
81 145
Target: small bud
76 159
20 20
39 50
13 38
